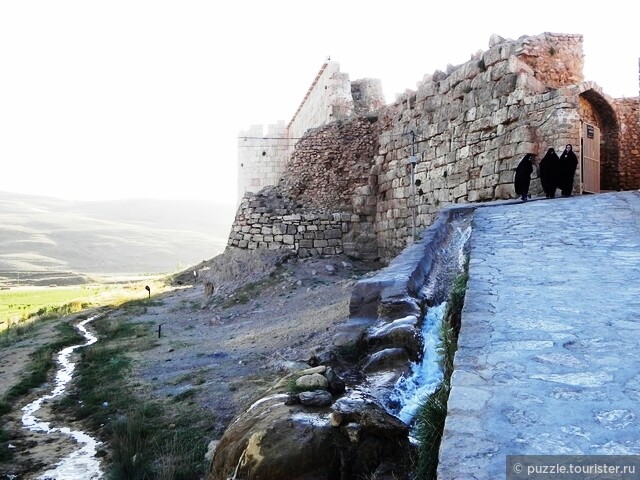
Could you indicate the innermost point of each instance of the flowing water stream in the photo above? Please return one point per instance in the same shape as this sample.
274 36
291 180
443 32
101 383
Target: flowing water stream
82 464
411 391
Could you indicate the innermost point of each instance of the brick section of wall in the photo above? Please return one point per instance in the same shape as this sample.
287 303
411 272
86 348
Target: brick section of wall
331 164
629 117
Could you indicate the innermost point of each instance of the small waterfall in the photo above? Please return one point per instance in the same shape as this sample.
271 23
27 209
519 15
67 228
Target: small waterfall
81 464
410 392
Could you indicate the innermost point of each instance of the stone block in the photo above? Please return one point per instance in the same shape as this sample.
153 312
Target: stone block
333 233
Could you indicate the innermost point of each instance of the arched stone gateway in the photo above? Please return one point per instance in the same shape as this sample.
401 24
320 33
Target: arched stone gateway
598 123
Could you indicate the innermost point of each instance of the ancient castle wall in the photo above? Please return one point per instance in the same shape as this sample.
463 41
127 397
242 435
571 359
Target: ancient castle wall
324 202
466 129
470 127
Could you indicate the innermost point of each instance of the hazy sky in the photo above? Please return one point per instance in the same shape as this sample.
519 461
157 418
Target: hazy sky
145 98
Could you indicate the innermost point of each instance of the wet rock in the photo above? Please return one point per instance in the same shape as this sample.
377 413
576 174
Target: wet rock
327 357
371 417
317 398
321 357
336 384
398 306
292 400
388 359
403 332
275 441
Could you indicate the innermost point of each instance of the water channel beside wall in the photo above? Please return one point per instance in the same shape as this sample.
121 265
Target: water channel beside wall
381 365
412 390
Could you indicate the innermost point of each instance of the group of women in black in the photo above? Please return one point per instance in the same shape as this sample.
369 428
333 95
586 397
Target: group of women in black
554 172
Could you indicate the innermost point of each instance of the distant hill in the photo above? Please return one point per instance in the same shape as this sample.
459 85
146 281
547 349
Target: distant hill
49 237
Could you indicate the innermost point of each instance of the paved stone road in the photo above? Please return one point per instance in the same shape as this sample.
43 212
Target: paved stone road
549 350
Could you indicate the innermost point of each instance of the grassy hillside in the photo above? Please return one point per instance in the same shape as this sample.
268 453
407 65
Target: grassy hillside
46 240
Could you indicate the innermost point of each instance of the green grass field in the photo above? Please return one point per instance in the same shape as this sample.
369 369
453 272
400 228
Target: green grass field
19 305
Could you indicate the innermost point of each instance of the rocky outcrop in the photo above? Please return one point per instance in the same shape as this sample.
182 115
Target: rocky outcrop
287 436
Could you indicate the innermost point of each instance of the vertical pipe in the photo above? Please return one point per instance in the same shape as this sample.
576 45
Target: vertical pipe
413 186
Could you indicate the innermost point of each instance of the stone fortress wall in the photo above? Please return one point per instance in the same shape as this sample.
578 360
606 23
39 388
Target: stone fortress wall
264 151
262 154
466 129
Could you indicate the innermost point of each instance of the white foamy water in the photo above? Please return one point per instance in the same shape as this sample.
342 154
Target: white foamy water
82 464
412 391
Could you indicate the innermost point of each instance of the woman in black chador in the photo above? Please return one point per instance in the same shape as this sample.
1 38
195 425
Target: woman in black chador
568 165
522 178
549 173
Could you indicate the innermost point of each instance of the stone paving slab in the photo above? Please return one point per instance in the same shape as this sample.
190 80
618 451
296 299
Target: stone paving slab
548 361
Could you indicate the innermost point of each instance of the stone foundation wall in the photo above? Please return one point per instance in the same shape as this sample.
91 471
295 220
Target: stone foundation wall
325 202
268 220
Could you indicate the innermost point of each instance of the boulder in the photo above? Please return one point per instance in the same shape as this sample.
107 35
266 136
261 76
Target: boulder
277 440
317 398
312 382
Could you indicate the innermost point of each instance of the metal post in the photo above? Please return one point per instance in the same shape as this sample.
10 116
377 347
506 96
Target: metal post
413 186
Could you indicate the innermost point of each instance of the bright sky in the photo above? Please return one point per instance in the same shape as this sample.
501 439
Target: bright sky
145 98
